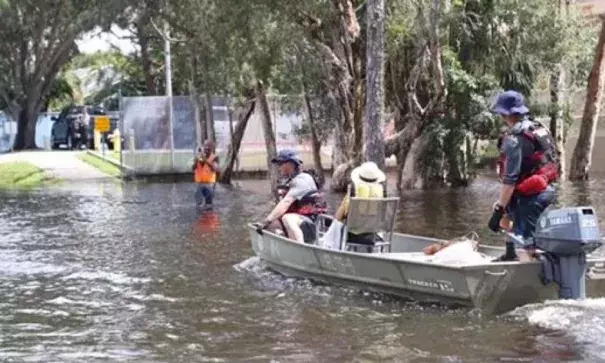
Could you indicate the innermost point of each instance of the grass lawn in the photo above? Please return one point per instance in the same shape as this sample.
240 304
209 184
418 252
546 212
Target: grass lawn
21 175
104 166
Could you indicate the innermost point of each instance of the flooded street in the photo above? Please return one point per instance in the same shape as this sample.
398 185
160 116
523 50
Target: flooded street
130 272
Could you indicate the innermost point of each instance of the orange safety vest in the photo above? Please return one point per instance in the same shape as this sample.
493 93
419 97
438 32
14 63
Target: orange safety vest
203 172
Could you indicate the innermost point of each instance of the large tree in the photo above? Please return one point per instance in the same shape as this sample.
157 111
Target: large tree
417 84
582 155
486 46
38 38
375 59
444 62
333 30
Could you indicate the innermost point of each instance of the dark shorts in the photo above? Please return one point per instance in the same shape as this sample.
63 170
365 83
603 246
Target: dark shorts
525 211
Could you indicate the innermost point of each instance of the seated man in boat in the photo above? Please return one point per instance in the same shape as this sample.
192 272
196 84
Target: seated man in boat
367 181
301 201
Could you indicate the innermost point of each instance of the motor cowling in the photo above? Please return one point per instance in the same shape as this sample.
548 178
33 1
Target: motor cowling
566 236
568 231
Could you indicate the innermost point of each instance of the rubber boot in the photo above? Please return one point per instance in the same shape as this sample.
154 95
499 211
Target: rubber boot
509 255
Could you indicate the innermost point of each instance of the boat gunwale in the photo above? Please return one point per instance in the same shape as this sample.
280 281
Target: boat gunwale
378 256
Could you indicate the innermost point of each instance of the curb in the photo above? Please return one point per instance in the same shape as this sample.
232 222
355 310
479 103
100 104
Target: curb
126 171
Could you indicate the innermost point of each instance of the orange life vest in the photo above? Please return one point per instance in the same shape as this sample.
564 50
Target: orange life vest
203 172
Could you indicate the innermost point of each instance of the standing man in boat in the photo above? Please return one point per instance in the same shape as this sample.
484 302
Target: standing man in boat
205 168
299 206
528 165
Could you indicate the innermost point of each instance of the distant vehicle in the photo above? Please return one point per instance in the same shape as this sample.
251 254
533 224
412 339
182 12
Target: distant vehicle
74 127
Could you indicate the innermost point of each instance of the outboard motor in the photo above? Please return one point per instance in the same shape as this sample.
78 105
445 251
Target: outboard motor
566 236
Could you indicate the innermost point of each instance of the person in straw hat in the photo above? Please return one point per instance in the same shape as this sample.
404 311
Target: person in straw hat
367 181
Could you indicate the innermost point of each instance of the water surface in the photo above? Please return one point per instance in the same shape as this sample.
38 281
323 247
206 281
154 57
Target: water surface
111 272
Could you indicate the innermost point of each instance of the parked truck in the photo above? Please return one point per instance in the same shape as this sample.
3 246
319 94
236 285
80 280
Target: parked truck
74 127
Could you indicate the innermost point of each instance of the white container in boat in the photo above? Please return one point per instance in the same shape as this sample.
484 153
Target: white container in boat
459 253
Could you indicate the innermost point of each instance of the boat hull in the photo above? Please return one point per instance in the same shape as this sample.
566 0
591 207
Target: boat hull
493 288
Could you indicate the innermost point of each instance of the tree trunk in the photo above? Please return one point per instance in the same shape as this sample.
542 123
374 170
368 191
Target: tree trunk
315 142
26 126
195 101
428 162
343 152
413 116
406 140
337 42
340 150
269 134
557 123
232 134
199 138
243 115
210 133
375 59
203 121
147 62
558 101
458 153
582 154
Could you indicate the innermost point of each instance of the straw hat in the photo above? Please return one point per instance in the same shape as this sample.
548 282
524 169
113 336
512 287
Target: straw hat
368 173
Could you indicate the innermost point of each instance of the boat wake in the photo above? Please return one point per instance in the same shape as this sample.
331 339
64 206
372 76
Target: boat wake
584 321
267 280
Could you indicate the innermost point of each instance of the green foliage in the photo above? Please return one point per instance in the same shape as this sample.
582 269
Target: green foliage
224 46
518 40
38 39
469 99
487 46
60 95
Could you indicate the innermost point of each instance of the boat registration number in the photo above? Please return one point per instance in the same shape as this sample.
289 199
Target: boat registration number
442 285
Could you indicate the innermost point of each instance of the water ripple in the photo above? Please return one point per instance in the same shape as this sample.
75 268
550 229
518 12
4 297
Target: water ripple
130 272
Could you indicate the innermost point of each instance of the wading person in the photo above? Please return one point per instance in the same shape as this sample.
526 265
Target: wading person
297 210
205 168
528 165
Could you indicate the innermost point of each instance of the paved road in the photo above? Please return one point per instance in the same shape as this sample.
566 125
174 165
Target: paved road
63 165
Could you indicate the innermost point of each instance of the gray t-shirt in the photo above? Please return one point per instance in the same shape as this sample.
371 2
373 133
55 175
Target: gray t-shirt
301 185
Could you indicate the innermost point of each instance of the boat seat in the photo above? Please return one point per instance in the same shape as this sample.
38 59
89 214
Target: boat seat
372 218
367 242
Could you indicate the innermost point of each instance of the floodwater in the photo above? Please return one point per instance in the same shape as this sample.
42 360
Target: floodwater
129 272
